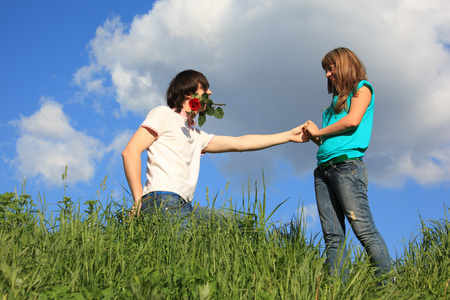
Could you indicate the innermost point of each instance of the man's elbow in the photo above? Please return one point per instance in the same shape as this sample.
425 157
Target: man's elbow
241 144
125 153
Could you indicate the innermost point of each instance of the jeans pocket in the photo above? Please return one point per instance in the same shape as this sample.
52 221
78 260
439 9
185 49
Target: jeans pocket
346 167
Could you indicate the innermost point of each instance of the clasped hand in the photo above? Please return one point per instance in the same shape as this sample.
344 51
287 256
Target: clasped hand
311 129
305 132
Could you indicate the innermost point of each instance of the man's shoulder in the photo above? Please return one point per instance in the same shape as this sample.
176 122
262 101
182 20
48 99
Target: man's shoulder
160 110
158 115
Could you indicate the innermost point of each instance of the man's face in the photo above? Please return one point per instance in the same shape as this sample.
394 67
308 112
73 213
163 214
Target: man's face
200 91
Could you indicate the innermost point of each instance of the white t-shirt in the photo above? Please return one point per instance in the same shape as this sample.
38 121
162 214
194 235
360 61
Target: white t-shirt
173 162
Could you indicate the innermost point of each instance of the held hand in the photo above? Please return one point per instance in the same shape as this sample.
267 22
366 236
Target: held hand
299 134
312 129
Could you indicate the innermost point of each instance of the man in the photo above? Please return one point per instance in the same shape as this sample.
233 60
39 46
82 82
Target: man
174 148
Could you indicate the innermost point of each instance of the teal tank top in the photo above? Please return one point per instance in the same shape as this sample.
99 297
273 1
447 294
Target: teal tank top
353 142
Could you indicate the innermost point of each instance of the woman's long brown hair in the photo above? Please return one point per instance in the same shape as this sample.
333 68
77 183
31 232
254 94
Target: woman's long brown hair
349 72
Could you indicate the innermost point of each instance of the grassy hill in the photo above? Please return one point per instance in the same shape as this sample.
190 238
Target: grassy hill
99 253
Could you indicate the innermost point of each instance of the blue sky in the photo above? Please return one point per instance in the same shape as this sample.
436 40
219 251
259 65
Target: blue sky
78 78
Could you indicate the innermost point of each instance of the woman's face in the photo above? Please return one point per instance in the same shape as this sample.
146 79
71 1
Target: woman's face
331 73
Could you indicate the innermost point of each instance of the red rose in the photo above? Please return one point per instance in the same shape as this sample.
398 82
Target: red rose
194 104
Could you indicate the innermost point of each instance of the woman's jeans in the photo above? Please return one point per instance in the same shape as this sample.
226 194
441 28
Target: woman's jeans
341 191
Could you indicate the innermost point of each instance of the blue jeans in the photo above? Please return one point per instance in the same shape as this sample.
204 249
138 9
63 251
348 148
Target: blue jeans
341 191
174 206
168 204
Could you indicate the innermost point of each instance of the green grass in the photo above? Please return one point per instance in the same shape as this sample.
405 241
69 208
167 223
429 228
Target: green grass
99 253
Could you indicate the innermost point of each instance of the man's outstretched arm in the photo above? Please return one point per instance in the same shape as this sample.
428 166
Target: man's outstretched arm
254 142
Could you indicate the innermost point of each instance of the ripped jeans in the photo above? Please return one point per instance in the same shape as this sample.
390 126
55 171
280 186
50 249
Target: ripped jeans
341 192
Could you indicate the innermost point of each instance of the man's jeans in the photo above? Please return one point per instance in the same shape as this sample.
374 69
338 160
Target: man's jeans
172 205
341 191
168 204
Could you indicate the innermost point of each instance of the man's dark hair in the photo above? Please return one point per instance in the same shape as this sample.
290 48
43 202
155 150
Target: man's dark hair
184 84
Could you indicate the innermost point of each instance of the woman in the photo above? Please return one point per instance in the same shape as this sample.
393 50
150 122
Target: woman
340 178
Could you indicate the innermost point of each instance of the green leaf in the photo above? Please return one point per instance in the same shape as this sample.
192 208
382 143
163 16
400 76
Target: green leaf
201 119
219 113
210 111
205 96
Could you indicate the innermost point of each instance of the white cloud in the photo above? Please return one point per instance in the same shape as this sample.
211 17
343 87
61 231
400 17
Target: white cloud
47 143
84 77
263 60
